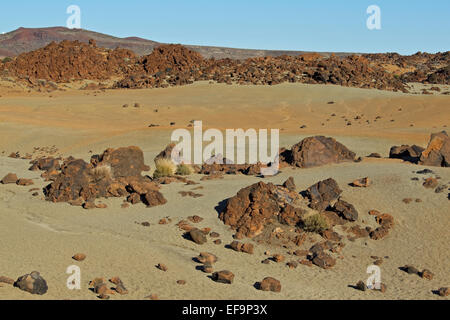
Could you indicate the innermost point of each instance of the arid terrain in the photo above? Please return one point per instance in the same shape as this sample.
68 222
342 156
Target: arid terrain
148 231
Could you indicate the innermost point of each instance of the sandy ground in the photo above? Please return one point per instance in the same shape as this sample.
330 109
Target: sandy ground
37 235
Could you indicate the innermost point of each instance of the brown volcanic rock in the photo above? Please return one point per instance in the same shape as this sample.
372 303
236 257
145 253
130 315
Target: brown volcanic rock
316 151
10 178
323 194
347 210
68 60
406 153
270 284
438 151
255 206
171 56
124 162
32 283
115 173
440 76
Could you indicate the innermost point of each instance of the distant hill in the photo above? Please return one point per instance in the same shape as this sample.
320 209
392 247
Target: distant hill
28 39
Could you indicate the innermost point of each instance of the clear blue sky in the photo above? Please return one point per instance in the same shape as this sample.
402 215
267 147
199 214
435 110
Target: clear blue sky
408 26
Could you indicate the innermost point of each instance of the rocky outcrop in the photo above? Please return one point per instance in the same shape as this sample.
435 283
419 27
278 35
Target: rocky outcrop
257 205
316 151
438 151
115 173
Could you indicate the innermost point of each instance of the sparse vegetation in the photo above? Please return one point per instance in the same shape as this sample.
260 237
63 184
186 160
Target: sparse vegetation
7 59
184 170
315 223
164 168
101 173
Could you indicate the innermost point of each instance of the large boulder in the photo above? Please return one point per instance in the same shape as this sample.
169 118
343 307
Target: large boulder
323 194
32 283
406 153
438 151
316 151
124 162
258 205
115 173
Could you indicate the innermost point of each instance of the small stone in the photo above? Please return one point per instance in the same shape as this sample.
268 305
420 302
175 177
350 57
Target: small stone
207 258
7 280
278 258
292 264
195 219
162 267
10 178
427 274
361 286
79 257
444 291
198 236
214 235
181 282
152 297
24 182
270 284
224 276
207 268
431 183
362 183
410 269
218 241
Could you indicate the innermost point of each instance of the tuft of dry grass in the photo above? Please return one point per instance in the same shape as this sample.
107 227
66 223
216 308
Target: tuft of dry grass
315 223
101 173
164 168
184 170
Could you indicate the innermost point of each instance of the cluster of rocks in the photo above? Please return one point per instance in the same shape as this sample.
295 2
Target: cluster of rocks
170 65
70 60
11 178
114 173
100 287
426 68
32 283
177 65
436 154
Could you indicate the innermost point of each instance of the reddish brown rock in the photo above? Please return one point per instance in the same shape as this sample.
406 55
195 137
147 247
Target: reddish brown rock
6 280
258 205
79 257
24 182
198 236
10 178
32 283
224 276
431 183
346 210
438 151
316 151
323 260
323 193
270 284
207 258
362 183
444 291
406 153
162 267
426 274
242 247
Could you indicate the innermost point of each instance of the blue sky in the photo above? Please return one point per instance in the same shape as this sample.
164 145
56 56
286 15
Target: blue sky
326 25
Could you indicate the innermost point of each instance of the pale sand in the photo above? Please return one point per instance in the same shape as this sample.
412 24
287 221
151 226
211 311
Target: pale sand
38 235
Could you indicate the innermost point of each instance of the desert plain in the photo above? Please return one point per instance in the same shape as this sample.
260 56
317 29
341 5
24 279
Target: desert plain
130 242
